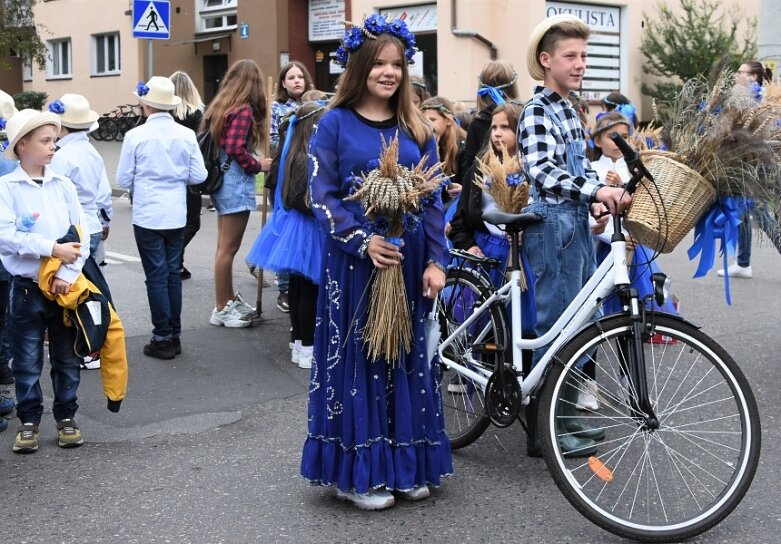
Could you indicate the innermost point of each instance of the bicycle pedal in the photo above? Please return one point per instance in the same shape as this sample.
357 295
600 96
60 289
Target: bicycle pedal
488 347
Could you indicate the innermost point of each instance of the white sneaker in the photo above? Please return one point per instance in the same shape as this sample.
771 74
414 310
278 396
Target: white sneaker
379 499
228 317
736 271
295 351
90 364
587 397
305 357
415 494
246 310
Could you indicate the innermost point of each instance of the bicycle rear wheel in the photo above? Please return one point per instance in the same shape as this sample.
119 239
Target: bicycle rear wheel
671 483
462 398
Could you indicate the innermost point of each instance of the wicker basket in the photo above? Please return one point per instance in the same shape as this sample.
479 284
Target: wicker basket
662 214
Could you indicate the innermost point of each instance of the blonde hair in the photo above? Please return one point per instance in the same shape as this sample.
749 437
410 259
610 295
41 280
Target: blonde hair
563 31
281 95
185 89
242 85
499 74
352 86
450 141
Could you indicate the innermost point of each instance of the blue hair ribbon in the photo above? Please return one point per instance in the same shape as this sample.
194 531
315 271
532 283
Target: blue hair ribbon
493 93
720 222
283 161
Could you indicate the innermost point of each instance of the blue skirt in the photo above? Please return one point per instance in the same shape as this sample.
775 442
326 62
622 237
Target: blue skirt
290 242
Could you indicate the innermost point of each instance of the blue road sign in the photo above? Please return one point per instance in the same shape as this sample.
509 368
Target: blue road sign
151 19
244 31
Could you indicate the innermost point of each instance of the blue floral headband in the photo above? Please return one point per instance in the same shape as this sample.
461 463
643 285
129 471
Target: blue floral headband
372 27
496 93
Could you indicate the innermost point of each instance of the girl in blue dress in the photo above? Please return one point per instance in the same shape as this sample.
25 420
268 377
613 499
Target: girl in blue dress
373 427
292 241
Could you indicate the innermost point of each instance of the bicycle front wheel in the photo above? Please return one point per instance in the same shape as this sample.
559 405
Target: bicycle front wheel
653 485
479 347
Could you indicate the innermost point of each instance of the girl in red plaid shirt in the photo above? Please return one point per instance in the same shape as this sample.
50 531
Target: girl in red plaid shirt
236 118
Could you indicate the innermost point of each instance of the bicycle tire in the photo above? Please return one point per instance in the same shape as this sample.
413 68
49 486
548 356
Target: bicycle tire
109 130
463 400
692 474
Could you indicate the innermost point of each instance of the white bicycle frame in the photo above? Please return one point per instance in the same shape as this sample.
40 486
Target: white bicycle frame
611 273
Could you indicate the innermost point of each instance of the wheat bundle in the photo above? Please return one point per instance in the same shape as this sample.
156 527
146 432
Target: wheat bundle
393 194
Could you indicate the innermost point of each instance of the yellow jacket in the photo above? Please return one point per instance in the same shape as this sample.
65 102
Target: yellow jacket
113 356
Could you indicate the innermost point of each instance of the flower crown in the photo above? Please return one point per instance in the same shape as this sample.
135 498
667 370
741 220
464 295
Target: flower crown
373 26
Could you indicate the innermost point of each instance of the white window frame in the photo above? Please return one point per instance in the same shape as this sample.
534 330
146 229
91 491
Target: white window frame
27 69
55 51
105 38
220 10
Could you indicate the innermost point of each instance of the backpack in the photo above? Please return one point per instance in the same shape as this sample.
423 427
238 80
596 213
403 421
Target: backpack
215 170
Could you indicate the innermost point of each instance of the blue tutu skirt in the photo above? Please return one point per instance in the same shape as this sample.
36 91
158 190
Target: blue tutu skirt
290 242
640 272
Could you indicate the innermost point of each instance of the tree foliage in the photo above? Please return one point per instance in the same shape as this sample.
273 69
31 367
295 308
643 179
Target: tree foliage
18 33
682 44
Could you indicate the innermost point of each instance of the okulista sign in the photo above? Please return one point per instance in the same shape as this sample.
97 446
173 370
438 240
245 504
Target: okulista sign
599 18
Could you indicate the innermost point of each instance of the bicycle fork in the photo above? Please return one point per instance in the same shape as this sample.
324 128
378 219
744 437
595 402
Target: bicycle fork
634 368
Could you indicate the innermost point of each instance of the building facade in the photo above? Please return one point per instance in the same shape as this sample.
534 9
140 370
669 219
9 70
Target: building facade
93 51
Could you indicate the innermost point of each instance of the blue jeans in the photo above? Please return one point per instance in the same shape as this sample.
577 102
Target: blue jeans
30 315
561 254
766 221
161 257
94 241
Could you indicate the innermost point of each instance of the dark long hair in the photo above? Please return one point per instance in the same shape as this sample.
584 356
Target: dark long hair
295 167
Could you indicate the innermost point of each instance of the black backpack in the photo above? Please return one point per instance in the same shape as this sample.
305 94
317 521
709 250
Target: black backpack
215 170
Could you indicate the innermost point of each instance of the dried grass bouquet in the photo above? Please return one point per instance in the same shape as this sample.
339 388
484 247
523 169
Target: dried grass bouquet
501 177
393 197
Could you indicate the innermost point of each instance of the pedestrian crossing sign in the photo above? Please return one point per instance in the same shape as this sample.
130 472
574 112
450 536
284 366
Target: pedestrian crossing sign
151 19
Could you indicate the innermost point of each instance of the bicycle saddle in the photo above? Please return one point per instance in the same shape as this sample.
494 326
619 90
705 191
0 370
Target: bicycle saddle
511 221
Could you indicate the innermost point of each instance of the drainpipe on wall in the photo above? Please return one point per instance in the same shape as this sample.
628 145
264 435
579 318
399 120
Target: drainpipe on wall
469 33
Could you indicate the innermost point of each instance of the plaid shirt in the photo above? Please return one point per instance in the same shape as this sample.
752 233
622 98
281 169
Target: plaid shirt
238 124
542 146
278 112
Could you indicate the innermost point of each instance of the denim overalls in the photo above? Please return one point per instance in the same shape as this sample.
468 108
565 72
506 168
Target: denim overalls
560 249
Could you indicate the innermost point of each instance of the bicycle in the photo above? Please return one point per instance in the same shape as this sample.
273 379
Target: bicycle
680 423
114 125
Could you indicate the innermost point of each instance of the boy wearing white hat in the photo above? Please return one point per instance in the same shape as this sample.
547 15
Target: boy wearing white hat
157 162
552 145
78 160
7 110
34 188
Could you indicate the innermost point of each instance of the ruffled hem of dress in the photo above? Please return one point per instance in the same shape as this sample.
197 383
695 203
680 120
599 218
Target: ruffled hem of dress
376 464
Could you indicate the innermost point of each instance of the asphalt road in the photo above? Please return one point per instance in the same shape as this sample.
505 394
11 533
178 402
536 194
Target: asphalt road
206 447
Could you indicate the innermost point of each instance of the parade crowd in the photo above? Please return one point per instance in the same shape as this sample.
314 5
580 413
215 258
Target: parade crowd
375 427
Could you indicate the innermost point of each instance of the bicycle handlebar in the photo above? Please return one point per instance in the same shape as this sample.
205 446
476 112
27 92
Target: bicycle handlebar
633 162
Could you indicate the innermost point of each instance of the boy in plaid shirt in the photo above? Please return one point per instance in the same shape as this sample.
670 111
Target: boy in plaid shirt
552 144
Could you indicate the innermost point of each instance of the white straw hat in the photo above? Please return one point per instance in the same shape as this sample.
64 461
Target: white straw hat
158 93
74 111
7 106
22 124
537 70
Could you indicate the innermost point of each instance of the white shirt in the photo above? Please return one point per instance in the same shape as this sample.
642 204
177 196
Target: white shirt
77 160
57 203
605 164
602 166
157 162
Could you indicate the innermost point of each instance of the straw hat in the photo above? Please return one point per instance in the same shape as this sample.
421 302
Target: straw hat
76 112
537 70
160 94
22 124
7 106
